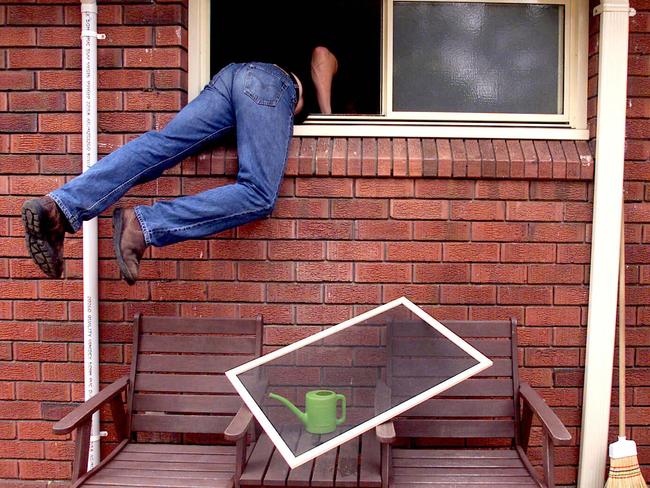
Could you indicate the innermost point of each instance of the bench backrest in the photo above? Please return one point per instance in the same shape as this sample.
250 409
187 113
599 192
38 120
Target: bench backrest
480 407
177 372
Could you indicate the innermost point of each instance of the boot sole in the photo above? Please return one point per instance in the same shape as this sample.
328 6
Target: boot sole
44 256
38 246
117 237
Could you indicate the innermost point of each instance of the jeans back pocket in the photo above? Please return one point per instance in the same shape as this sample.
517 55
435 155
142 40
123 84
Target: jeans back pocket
262 86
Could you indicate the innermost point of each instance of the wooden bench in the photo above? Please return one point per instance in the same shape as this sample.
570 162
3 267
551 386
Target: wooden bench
492 405
176 386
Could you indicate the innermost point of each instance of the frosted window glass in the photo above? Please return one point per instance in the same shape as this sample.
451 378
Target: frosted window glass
477 57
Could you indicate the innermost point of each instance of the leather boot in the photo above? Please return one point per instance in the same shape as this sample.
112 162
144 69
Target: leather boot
128 241
45 227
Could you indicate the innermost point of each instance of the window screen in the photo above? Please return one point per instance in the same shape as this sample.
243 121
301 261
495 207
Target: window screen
477 57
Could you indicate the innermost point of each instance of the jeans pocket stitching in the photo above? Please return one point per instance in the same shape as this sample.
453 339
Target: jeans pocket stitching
254 96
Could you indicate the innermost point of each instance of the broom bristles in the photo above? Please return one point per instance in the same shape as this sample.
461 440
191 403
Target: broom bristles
625 473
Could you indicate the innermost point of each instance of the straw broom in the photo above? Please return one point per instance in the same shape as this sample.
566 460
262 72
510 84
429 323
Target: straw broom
624 471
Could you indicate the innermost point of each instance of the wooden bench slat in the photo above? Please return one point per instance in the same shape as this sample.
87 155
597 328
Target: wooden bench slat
185 363
278 469
198 344
461 480
370 467
455 453
257 462
455 428
476 388
177 457
145 473
183 383
178 448
324 469
456 462
347 466
149 402
198 325
459 470
159 466
301 475
155 482
463 408
441 347
179 423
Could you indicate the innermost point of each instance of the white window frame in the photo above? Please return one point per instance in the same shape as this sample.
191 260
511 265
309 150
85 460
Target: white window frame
571 124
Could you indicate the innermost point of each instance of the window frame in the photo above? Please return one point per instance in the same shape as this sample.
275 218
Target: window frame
571 124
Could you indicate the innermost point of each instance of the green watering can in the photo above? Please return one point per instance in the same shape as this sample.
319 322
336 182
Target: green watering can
319 416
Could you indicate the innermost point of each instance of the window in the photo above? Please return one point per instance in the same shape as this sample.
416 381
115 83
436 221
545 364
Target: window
495 68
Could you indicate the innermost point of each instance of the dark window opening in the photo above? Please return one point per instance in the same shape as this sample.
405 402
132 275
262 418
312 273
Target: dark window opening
286 32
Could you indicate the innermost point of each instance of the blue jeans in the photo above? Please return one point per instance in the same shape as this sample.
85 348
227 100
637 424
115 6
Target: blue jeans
254 99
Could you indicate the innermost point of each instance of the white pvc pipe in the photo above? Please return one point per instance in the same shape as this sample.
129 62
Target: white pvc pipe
90 255
605 245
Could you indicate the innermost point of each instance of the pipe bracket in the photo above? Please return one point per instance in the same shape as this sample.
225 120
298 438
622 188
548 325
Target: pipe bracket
614 8
89 33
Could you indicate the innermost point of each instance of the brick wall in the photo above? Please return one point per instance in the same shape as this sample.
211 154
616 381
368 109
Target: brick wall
466 228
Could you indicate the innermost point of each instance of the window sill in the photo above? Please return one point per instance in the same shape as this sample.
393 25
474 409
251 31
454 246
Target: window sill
392 129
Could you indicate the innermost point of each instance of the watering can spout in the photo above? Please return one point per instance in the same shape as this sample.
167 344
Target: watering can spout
301 415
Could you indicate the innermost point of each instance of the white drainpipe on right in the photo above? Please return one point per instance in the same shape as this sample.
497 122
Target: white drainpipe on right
608 200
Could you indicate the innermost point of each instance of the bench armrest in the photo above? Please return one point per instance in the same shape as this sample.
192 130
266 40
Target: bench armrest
550 421
239 424
386 432
84 411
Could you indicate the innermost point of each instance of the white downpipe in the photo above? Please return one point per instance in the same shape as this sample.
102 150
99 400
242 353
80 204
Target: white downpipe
90 256
605 245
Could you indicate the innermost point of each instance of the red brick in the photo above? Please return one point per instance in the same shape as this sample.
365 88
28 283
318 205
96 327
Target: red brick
125 122
127 36
17 36
302 208
444 188
499 231
553 357
154 14
555 273
34 58
193 249
525 295
413 251
527 253
354 251
8 469
124 79
34 15
414 151
273 313
286 335
56 470
419 209
324 229
296 250
479 294
443 149
491 312
442 273
267 229
18 331
185 291
166 57
265 271
63 372
423 294
152 101
53 123
383 272
17 80
384 188
36 101
322 314
501 190
498 273
359 209
354 156
474 252
294 293
324 271
236 292
19 410
384 230
442 231
40 351
238 249
477 210
43 391
532 211
353 294
553 316
574 253
324 187
543 232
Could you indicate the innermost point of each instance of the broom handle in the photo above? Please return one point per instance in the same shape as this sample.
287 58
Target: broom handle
621 334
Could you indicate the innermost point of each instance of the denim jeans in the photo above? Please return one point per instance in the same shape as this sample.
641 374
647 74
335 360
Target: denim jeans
254 99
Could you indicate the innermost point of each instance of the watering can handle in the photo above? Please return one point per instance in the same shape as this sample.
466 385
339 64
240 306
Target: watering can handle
341 419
